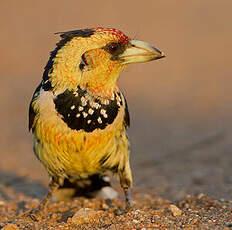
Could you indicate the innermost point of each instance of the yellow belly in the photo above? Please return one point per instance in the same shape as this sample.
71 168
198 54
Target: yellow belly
66 152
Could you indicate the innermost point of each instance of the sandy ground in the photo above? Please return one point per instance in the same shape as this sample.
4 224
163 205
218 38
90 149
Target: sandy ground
180 108
150 212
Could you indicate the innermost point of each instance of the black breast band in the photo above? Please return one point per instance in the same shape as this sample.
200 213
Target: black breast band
80 111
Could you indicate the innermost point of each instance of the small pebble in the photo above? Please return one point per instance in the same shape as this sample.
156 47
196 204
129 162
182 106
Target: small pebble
85 215
105 206
135 221
2 203
175 210
200 196
194 221
107 193
136 212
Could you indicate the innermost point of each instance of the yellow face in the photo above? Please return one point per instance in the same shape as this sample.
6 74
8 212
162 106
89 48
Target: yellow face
101 66
94 59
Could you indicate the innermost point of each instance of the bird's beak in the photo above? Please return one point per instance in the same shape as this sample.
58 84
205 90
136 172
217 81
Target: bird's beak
139 51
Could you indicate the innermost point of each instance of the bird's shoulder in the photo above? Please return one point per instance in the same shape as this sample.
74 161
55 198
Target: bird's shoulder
46 86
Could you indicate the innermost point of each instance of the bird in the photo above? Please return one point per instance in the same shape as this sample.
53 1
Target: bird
78 115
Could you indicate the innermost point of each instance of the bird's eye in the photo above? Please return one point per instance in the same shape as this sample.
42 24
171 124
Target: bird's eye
113 47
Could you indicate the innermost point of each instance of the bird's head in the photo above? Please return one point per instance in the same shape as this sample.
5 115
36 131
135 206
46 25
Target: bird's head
93 59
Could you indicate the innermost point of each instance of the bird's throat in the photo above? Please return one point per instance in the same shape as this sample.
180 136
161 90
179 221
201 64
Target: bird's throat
103 84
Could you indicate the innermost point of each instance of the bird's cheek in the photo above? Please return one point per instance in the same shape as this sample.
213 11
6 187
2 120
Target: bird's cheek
94 58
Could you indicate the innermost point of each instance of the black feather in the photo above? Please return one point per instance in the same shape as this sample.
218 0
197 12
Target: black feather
76 33
104 159
32 112
127 115
67 105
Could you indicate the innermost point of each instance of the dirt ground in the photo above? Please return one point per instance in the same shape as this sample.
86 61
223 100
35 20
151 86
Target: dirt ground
150 212
180 108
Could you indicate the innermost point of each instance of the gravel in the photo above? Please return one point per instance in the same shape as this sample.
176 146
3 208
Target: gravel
149 212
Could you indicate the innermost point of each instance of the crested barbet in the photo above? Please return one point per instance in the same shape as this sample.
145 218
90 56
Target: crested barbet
78 115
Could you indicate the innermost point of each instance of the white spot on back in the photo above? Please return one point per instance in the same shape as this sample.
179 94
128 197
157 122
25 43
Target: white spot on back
99 120
89 121
102 111
85 114
72 107
96 105
83 101
78 115
80 108
91 111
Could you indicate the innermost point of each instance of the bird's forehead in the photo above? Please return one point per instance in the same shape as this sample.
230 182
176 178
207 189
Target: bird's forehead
117 34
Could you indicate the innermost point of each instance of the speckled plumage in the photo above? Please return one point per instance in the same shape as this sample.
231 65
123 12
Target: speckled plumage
78 115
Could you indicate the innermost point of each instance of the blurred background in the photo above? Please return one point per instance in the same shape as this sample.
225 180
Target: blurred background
181 131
